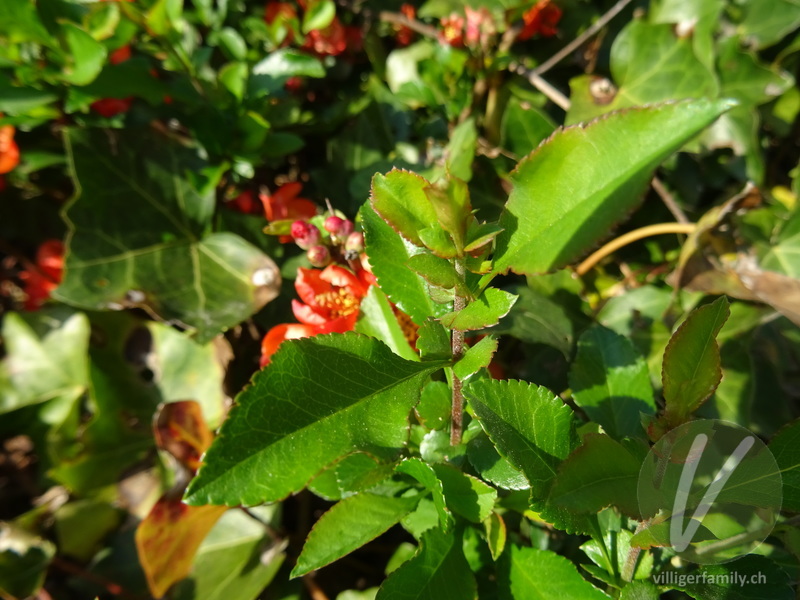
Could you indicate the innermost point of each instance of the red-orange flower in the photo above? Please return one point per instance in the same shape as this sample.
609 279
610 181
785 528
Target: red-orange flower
110 107
329 41
9 151
285 204
244 203
283 13
542 18
404 33
453 30
331 299
120 55
39 282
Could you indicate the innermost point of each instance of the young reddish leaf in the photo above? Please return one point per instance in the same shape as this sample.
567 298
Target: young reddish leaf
168 539
181 431
692 369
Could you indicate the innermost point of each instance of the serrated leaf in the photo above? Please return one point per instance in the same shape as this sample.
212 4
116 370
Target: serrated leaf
424 474
691 370
543 575
348 525
434 340
140 237
785 447
434 405
389 255
399 198
377 319
436 271
486 310
573 188
438 570
750 578
601 472
492 467
305 411
355 473
465 495
529 426
476 358
611 383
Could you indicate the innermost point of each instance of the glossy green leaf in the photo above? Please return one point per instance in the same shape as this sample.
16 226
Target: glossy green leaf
389 255
140 237
476 358
640 590
750 578
439 570
524 127
570 191
657 535
460 150
436 271
767 21
601 472
305 411
399 198
349 525
692 370
319 15
354 473
531 427
611 383
377 319
496 534
425 474
87 54
465 495
536 319
434 340
232 43
744 77
434 405
24 559
492 467
543 575
270 74
486 310
785 447
46 358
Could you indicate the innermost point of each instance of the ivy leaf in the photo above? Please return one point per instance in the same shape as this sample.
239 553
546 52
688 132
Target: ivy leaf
389 255
305 411
486 310
750 578
599 473
573 188
691 370
530 427
785 447
349 525
542 575
139 237
438 570
611 383
765 22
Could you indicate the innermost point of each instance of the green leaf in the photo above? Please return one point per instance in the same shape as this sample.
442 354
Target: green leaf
600 473
139 237
536 319
766 22
389 255
529 426
377 319
611 383
785 447
354 473
640 590
46 358
305 411
492 467
319 15
436 271
460 150
234 561
434 340
232 43
87 54
657 535
572 189
424 474
269 75
465 495
745 78
750 578
496 534
476 358
434 405
486 310
24 559
691 370
650 63
524 127
543 575
399 198
439 570
349 525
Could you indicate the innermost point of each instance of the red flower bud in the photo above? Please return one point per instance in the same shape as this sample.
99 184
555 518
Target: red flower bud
305 234
338 227
355 242
319 256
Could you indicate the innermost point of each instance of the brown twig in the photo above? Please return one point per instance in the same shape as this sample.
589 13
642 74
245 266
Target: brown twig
314 590
578 41
402 20
457 414
555 96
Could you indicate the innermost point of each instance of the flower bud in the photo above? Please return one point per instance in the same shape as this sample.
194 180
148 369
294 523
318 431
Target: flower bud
305 234
338 227
319 256
355 242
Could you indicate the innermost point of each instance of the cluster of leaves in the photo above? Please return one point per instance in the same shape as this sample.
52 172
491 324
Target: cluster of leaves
489 415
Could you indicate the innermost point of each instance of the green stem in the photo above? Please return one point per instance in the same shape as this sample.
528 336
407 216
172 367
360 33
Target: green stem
629 569
457 418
